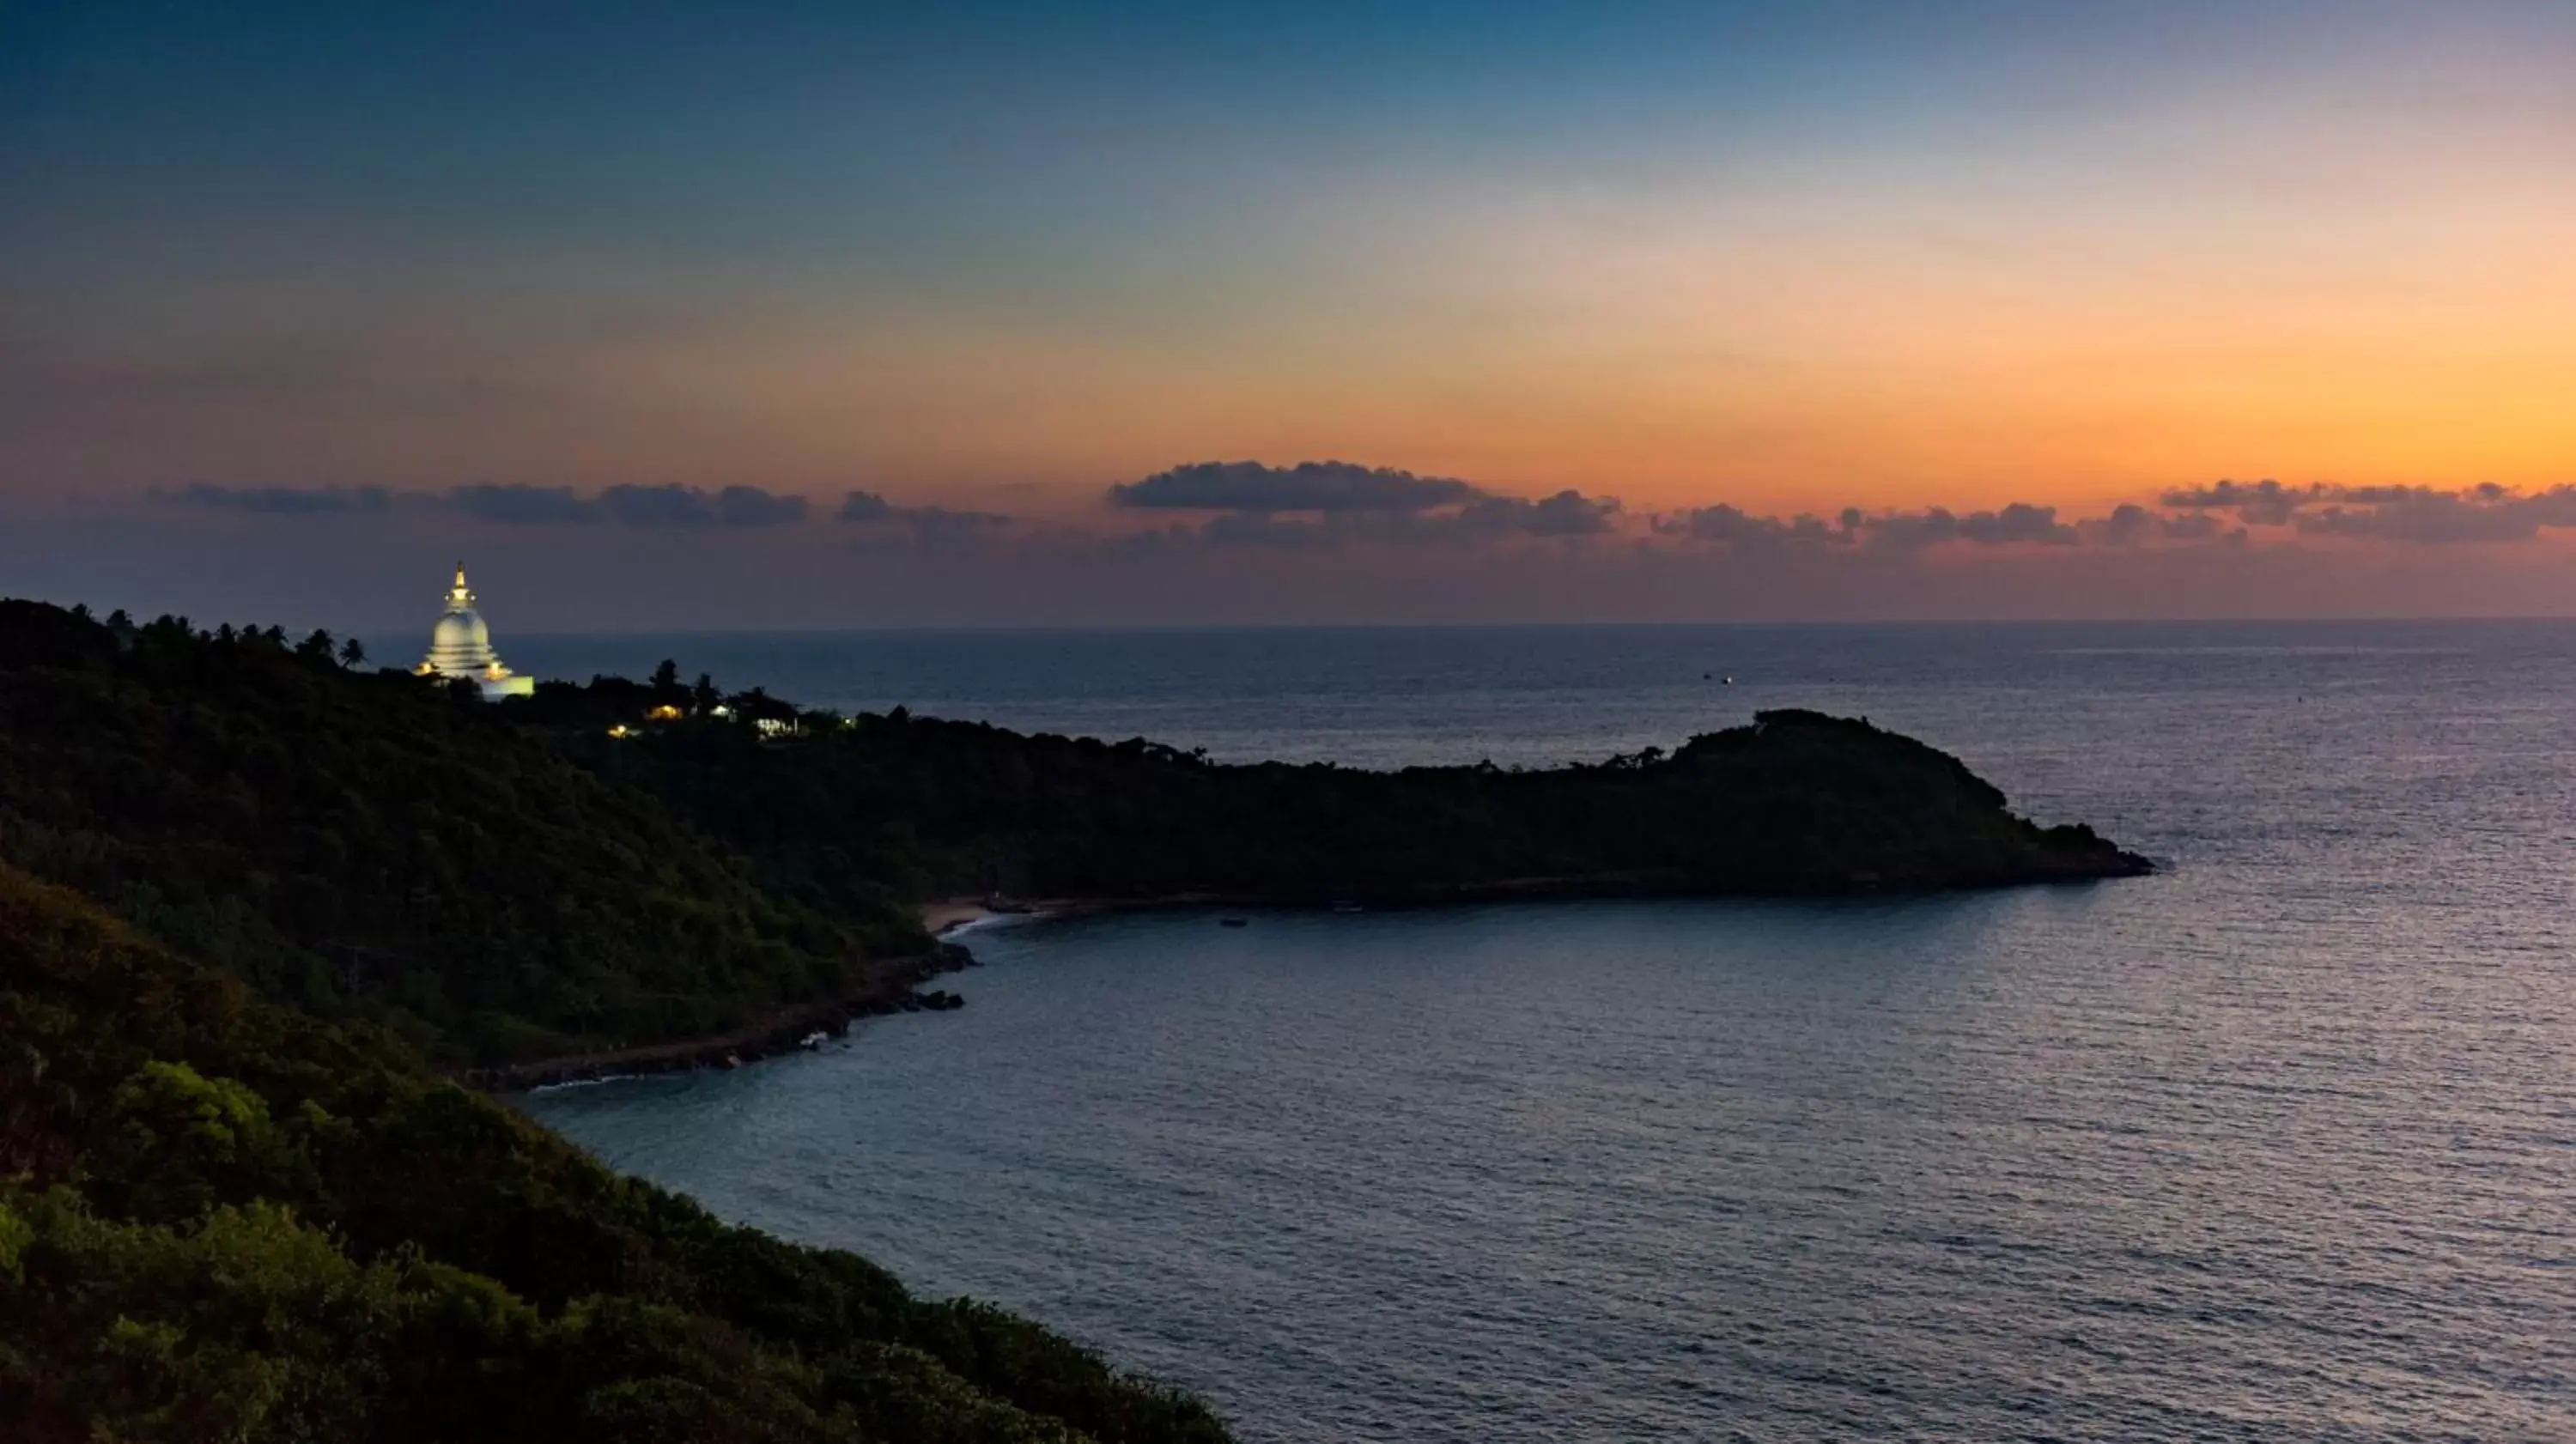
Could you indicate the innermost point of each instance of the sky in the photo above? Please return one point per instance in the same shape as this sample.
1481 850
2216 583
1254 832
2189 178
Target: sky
829 315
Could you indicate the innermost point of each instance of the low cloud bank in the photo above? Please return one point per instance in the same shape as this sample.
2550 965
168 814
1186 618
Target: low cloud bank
2018 524
2488 513
1492 518
867 508
279 500
515 504
1319 505
579 558
1331 487
1333 503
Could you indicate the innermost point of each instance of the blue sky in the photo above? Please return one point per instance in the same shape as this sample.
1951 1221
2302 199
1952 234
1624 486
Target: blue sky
998 259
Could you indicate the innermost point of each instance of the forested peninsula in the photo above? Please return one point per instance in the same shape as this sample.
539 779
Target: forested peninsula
261 905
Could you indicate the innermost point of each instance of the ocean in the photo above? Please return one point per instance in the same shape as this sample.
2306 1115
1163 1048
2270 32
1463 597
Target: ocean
2279 1144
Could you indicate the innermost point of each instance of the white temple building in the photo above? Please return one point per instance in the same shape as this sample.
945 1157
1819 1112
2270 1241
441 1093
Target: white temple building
460 649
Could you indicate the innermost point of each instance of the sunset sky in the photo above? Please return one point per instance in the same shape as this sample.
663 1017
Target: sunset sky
626 302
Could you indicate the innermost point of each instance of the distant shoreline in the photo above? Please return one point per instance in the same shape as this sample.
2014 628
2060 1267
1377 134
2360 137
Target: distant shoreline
948 916
943 916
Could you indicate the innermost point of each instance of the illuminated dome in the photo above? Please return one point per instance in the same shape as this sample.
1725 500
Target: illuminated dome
461 632
460 648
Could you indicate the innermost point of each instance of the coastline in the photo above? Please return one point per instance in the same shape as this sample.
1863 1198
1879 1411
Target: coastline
886 985
958 914
890 984
942 916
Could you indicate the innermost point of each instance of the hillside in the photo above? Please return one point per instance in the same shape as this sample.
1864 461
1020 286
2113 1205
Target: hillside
251 897
1794 803
362 844
500 883
221 1219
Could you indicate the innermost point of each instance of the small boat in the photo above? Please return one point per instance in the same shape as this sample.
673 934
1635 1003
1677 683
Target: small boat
811 1040
1348 907
1234 922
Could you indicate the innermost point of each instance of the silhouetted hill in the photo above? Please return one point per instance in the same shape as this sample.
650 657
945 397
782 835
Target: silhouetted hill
1795 803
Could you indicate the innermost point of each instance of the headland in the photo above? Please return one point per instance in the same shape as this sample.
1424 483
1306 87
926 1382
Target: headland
262 909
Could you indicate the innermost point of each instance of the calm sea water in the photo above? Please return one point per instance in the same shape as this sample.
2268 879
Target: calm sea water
2278 1145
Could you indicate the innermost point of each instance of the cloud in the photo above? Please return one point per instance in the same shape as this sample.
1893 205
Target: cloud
1329 503
885 527
2260 503
2386 513
516 504
1319 505
1316 486
867 508
1730 525
751 506
2197 526
2487 513
2130 524
1568 513
278 500
675 506
2402 514
2018 524
2127 525
689 506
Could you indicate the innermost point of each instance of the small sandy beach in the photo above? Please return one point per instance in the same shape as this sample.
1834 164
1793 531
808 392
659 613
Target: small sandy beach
948 914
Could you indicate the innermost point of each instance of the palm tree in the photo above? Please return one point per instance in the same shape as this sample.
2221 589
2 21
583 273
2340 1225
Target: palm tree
353 653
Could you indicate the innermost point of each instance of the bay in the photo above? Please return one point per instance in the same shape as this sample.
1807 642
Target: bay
2278 1144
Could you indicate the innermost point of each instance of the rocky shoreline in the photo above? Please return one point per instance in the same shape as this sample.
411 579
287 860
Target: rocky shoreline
892 985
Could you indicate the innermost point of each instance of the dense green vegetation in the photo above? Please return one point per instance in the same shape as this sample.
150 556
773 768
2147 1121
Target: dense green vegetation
368 845
252 895
1796 802
222 1219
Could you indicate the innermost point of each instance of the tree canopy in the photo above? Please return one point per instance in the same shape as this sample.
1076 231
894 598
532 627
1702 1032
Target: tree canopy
370 845
223 1219
1794 803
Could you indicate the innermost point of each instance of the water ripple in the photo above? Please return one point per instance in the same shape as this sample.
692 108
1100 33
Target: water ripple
2278 1146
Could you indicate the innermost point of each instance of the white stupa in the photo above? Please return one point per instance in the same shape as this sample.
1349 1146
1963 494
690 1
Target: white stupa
460 649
